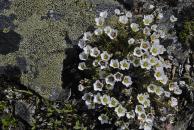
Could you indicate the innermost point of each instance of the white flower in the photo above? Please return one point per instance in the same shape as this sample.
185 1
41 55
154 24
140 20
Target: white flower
120 111
162 33
159 90
99 21
103 64
94 52
104 14
98 85
131 41
145 45
107 29
146 103
130 115
177 91
123 19
173 102
167 94
98 31
105 99
147 31
82 66
95 63
124 64
87 49
105 56
141 98
103 119
118 76
151 88
147 126
139 109
87 97
136 62
97 98
142 116
173 18
117 11
87 36
110 79
148 19
151 6
134 27
154 27
109 87
157 49
159 74
129 14
153 60
127 81
145 64
113 33
160 16
81 87
173 85
164 80
83 56
114 63
113 102
154 36
81 43
137 52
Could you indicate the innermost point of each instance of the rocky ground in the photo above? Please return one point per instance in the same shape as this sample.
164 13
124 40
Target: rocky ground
38 57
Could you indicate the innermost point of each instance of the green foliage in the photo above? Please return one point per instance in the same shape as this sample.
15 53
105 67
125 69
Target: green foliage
188 30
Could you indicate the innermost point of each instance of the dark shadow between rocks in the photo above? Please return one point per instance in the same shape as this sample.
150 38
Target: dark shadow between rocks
9 42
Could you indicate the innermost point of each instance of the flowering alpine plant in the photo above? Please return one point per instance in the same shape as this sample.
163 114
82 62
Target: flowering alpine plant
130 84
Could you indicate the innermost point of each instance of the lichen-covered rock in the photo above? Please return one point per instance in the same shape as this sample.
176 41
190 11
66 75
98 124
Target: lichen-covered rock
43 26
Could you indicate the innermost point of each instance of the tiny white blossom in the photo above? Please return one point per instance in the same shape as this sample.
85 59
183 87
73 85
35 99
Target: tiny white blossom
123 19
129 14
81 87
164 80
82 66
142 116
153 60
145 64
151 88
173 18
136 62
113 33
118 76
145 45
95 52
148 19
105 56
81 43
103 119
114 63
127 81
154 27
104 14
95 63
110 79
107 29
162 33
160 16
159 74
87 36
173 102
147 31
139 109
159 90
103 64
98 85
177 91
141 98
130 115
131 41
97 98
167 94
146 103
134 27
99 21
98 31
105 99
117 11
147 126
83 56
113 102
87 49
120 111
124 64
137 52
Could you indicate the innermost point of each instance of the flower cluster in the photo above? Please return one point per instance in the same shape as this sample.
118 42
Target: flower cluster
131 76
